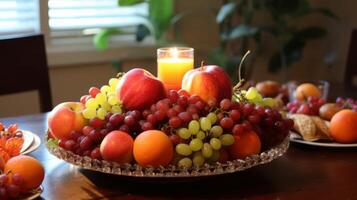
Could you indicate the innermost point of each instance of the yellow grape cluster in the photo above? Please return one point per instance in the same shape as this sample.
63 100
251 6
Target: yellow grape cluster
105 101
253 96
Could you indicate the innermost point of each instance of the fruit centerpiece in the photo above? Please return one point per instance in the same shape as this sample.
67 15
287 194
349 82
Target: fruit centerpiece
135 127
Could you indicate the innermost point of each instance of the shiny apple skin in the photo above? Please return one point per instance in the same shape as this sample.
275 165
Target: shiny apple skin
208 82
117 146
66 117
138 89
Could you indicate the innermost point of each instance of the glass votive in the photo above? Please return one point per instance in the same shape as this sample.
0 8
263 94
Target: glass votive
172 64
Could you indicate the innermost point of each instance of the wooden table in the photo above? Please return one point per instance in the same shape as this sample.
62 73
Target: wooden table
302 173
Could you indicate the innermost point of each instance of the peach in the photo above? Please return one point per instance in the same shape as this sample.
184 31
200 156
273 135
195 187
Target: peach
117 146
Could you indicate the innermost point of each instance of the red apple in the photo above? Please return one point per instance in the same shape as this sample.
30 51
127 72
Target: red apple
117 146
208 82
66 117
138 89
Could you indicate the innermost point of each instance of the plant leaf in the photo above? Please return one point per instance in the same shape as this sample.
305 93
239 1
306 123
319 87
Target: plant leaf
100 40
129 2
241 31
325 11
225 11
160 14
52 143
141 32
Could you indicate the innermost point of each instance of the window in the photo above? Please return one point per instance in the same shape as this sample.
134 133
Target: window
69 25
18 17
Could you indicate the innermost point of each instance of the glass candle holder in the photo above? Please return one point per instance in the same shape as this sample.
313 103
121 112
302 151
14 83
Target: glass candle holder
172 64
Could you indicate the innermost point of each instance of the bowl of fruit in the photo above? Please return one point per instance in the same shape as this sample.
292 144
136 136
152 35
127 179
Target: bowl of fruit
134 127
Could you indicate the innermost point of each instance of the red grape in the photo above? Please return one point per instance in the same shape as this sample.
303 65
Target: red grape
238 129
289 123
247 109
93 91
110 126
87 129
3 179
220 116
147 126
116 119
173 96
182 101
225 104
260 110
247 126
86 143
161 105
235 115
61 143
175 122
152 119
87 153
193 99
96 123
75 135
175 139
303 109
95 136
212 102
12 190
160 115
268 121
3 194
254 118
200 105
70 145
226 122
178 108
129 120
192 109
183 93
136 114
185 117
104 132
145 113
153 108
195 116
235 106
107 116
84 99
171 113
95 154
124 128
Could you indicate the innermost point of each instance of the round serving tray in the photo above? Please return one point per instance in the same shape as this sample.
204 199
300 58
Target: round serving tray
135 170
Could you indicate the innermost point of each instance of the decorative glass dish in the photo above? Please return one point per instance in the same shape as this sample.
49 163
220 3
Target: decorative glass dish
171 171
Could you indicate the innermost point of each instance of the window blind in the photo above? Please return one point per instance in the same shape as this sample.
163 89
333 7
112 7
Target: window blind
19 16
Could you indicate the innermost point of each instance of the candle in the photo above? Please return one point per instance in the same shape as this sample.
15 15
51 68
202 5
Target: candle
172 64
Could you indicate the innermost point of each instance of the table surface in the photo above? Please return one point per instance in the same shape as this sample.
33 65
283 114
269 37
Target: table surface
304 172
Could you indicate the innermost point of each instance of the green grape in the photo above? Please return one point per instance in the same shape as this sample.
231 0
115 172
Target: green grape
109 94
106 106
101 112
215 143
105 89
89 113
215 157
113 82
194 127
227 139
257 99
183 149
196 144
207 150
116 109
201 135
269 102
101 98
112 100
216 131
185 163
92 104
205 123
212 117
184 133
251 93
197 159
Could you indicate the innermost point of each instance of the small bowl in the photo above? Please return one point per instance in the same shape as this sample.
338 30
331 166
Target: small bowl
322 85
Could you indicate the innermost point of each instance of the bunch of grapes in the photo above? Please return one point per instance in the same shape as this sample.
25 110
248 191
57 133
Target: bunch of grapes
11 186
309 107
253 96
101 101
348 103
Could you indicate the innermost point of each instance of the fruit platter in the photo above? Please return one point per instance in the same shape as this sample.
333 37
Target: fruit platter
16 181
137 125
317 122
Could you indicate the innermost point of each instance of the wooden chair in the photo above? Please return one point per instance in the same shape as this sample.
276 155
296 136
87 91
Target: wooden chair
24 68
350 78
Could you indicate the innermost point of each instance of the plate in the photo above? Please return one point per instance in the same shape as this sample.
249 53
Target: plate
171 171
28 139
33 194
294 137
35 144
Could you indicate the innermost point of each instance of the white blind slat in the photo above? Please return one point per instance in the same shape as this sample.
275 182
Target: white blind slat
18 16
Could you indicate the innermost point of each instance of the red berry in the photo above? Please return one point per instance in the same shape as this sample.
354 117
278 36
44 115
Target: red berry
70 145
160 115
147 126
183 93
116 119
86 143
175 122
235 115
238 129
254 118
182 101
200 105
225 104
152 119
193 99
171 113
96 123
173 96
129 120
87 129
175 139
84 99
185 117
95 154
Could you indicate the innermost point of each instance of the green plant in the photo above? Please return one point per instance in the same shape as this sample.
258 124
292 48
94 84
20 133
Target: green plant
159 19
236 20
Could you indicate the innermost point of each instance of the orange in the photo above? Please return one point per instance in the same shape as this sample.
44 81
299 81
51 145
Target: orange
343 126
153 148
30 169
306 90
245 144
